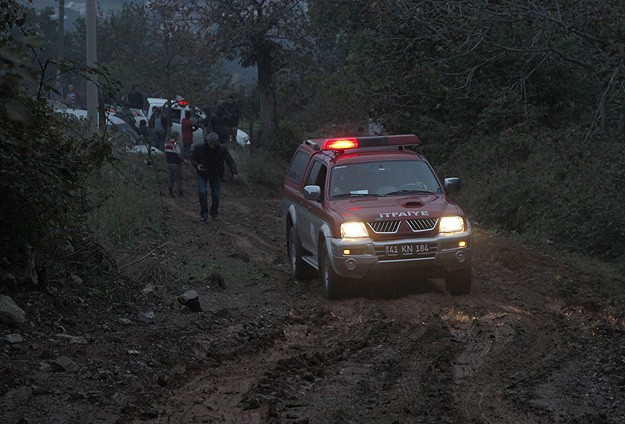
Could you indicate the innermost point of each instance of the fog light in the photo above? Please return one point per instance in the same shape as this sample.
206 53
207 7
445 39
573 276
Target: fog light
462 244
461 256
347 252
350 264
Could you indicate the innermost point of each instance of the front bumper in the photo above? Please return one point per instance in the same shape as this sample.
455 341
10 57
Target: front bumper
433 256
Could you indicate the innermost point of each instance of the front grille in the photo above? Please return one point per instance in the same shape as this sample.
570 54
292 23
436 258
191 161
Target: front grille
384 227
424 224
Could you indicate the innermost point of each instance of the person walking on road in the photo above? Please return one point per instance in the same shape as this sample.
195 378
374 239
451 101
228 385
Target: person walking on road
174 164
208 160
158 126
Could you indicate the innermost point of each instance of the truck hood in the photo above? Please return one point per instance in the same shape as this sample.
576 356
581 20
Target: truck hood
370 209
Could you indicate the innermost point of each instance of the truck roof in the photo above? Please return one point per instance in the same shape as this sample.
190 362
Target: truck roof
358 149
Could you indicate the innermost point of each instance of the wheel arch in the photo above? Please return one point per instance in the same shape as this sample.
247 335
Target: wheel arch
323 240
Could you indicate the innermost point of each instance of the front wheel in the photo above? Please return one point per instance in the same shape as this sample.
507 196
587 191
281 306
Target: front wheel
459 282
296 262
334 285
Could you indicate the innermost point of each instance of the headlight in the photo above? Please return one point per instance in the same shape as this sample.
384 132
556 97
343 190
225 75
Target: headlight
353 229
452 224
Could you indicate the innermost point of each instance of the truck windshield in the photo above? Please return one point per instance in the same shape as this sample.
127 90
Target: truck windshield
383 178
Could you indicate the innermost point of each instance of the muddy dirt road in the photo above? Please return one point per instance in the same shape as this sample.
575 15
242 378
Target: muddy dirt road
537 341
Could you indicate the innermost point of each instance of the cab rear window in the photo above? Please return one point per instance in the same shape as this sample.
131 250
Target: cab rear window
298 166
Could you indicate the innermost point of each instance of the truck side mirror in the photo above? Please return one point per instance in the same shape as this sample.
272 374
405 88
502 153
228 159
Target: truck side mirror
452 184
312 192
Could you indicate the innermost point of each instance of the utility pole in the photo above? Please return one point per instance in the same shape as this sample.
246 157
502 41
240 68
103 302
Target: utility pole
60 42
92 58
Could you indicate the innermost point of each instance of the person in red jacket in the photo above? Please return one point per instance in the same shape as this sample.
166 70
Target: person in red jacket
187 134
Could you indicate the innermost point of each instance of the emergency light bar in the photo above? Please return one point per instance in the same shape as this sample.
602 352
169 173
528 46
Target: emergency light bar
182 102
345 143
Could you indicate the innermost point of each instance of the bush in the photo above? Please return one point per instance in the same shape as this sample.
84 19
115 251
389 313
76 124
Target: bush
42 175
125 210
289 136
547 186
261 166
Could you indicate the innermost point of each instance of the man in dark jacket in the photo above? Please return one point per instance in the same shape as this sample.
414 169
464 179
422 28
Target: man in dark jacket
220 122
135 98
232 123
208 160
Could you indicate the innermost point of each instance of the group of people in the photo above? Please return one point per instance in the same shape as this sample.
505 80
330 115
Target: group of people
69 97
209 159
224 120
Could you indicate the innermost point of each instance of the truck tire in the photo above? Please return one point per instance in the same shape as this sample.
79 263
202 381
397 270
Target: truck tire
334 286
459 282
296 263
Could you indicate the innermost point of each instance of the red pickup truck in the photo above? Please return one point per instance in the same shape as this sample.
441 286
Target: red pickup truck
369 207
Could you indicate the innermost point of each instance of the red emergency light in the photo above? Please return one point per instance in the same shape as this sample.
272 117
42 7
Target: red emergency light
339 143
345 143
183 102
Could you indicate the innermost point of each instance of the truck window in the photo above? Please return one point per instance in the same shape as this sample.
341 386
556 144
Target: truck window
382 178
298 166
317 175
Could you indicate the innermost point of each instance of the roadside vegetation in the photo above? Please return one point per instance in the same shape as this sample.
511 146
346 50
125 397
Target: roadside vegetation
524 102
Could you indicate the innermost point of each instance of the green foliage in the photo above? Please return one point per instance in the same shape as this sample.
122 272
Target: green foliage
546 186
42 172
520 100
125 211
144 46
289 136
260 166
524 101
42 168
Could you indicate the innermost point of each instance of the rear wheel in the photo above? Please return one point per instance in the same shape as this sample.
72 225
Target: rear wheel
459 282
297 264
334 286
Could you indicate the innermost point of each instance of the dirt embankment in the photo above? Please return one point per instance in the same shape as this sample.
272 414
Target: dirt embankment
536 341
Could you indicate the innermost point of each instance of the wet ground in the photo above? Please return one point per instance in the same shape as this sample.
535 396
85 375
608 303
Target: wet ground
537 341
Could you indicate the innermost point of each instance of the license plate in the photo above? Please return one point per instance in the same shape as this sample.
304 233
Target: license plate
402 250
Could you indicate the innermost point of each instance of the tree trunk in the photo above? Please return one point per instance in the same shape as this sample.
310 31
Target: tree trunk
268 118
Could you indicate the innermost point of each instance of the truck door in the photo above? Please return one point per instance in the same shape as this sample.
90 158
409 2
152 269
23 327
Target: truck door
313 212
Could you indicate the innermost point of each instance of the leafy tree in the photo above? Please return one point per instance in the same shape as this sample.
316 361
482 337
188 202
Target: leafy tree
478 62
264 33
157 47
42 167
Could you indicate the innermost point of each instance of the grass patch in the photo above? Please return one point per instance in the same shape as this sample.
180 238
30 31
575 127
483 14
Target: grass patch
126 210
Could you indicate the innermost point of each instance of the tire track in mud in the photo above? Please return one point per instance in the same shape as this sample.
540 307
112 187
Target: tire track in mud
489 352
362 369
